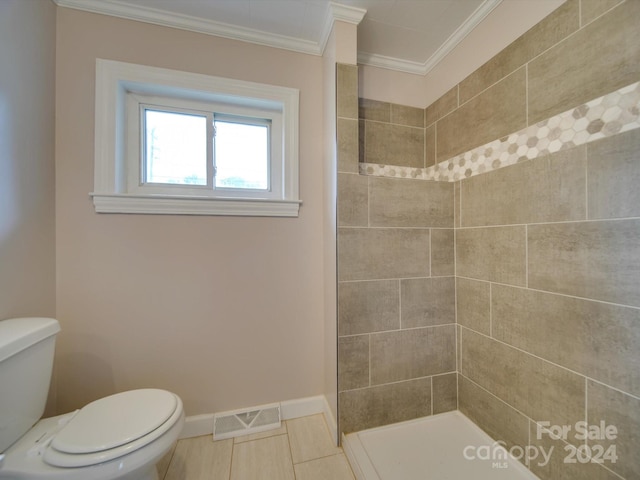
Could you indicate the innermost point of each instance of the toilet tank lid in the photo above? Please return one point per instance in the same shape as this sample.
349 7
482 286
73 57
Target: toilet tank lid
17 334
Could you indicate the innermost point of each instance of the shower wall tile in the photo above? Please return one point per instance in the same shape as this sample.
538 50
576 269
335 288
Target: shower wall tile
353 200
592 9
384 404
598 260
606 54
348 156
473 299
443 257
568 331
445 393
347 91
556 26
392 144
406 354
535 387
427 301
368 306
509 195
556 468
550 342
374 110
353 366
410 203
498 111
406 115
497 254
441 107
382 253
499 420
614 176
602 117
623 412
430 146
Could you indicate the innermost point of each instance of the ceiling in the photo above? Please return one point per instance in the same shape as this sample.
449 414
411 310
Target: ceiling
405 35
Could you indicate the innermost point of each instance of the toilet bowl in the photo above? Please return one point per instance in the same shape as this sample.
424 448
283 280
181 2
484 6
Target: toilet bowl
120 437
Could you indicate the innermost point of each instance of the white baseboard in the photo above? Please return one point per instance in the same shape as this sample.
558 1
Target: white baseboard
198 425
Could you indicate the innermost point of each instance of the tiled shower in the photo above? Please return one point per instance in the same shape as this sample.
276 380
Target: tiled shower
511 294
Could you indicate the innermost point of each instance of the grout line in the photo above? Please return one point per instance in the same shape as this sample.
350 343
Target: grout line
526 255
435 143
291 453
458 367
586 184
550 292
490 310
559 222
233 447
526 93
498 398
636 397
601 15
430 253
400 303
396 382
368 203
461 339
431 387
459 204
382 122
369 362
528 441
521 350
398 330
475 227
586 403
388 279
424 147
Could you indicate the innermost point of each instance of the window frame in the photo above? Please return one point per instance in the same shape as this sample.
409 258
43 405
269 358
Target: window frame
120 90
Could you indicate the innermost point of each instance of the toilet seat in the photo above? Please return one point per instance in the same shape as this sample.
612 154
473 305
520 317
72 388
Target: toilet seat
112 427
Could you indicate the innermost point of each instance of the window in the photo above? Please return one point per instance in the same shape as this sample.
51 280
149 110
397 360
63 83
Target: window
182 143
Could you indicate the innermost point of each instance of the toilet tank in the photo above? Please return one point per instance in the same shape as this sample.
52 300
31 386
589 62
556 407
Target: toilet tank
26 360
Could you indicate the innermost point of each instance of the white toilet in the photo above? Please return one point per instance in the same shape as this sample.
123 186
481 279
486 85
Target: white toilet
122 436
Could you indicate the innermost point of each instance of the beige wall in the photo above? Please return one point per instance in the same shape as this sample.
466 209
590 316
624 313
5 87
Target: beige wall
27 233
227 312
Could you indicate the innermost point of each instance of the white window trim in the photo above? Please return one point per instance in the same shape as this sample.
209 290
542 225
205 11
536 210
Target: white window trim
115 80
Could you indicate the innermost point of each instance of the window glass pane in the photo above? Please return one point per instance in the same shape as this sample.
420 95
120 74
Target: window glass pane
241 155
175 148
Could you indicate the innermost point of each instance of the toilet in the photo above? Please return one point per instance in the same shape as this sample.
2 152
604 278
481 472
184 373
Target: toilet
121 437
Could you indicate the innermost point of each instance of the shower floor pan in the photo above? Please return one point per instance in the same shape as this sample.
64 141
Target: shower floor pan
440 447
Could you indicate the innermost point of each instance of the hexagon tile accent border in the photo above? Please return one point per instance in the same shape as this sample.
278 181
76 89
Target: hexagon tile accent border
606 116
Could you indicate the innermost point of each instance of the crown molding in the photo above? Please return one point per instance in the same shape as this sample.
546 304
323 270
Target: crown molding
193 24
336 12
345 13
391 63
419 68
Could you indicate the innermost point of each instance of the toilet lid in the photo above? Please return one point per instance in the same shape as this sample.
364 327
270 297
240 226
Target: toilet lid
115 421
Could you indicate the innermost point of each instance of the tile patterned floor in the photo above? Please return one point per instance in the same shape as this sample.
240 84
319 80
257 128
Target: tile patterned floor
301 449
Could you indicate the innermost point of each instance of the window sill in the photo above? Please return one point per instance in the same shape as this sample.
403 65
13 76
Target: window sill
182 205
